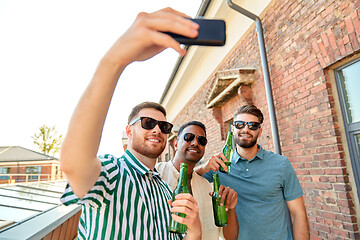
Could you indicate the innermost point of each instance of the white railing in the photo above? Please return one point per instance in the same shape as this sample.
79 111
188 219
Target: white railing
27 177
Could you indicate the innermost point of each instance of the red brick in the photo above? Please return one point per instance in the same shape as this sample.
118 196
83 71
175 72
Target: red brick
354 41
356 23
349 26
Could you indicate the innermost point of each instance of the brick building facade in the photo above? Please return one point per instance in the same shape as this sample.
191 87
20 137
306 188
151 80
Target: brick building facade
18 164
308 43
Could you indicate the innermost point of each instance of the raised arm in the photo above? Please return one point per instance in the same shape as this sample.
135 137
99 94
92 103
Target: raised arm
140 42
299 219
213 164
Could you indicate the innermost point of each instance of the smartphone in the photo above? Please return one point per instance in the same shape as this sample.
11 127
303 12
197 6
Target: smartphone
212 32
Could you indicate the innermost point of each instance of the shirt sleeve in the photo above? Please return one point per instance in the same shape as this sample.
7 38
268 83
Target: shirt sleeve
292 187
101 193
208 176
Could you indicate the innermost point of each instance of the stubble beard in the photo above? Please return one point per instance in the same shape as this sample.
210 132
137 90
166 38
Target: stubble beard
246 144
140 146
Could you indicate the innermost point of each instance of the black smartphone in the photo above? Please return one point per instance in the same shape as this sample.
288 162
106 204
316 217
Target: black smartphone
212 32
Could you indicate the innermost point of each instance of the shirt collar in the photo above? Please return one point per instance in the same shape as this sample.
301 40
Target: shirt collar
259 155
139 166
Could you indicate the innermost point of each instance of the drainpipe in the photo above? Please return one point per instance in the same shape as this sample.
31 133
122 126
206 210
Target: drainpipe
269 95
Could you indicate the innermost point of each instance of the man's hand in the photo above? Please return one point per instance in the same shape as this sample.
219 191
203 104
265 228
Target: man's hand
229 195
185 203
213 164
144 38
231 231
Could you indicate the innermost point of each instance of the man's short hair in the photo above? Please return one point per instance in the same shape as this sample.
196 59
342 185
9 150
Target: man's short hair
196 123
135 111
250 109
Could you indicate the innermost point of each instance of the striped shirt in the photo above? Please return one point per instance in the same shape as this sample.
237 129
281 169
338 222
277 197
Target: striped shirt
128 201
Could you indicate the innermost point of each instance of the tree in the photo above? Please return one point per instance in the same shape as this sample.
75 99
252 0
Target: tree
48 140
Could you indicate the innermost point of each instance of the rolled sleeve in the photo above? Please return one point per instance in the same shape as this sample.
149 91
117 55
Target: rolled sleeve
102 191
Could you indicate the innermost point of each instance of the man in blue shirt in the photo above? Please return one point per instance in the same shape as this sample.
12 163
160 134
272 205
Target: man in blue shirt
266 184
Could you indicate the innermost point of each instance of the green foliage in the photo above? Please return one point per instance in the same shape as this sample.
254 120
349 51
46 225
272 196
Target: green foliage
48 140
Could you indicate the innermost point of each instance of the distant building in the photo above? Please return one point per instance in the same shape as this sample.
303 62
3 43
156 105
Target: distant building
18 164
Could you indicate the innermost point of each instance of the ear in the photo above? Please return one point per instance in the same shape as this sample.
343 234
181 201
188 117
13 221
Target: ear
128 131
175 144
260 132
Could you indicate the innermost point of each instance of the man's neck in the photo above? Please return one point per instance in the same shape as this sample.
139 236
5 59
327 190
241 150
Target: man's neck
177 162
247 153
148 162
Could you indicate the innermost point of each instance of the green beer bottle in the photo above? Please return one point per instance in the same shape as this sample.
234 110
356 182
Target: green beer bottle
181 188
220 214
228 152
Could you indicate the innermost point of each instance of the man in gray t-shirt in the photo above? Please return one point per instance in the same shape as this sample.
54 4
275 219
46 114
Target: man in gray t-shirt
266 183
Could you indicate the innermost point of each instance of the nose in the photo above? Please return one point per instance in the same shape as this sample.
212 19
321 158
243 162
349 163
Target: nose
157 129
194 142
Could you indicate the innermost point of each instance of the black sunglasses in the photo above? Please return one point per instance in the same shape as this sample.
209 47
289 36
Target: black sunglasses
149 123
251 125
188 137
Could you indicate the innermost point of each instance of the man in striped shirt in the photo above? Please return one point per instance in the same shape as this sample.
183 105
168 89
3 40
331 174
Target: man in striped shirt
125 198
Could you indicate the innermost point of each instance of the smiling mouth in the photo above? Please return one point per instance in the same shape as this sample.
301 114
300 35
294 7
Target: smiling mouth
193 151
153 140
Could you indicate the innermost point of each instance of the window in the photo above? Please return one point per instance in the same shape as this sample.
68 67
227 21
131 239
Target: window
33 170
4 170
348 85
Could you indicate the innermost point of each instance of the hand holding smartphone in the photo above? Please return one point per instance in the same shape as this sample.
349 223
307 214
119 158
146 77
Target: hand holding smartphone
212 32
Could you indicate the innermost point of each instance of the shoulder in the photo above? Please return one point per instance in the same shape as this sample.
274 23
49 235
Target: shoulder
162 166
269 155
107 159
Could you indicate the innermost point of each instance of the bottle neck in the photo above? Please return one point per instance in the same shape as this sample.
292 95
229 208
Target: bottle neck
229 139
216 183
183 176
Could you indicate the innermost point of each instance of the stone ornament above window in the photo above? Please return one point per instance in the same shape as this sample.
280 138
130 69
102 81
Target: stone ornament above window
227 84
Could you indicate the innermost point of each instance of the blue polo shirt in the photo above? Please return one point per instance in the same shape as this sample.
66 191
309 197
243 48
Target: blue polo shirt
263 184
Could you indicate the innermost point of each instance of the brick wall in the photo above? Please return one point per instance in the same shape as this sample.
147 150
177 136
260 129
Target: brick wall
303 38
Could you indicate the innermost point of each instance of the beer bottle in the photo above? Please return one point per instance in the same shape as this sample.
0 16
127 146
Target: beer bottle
220 214
181 188
228 152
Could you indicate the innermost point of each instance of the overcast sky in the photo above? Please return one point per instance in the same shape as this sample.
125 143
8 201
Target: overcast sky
49 51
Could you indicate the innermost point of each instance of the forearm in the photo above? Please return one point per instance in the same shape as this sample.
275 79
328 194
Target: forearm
201 170
301 227
231 231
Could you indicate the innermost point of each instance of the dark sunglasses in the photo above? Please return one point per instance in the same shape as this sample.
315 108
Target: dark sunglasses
188 137
149 123
251 125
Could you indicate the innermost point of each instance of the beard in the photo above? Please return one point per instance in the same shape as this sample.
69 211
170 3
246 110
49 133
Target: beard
140 146
245 143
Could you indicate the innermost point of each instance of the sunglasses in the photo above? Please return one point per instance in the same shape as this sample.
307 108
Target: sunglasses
251 125
149 123
188 137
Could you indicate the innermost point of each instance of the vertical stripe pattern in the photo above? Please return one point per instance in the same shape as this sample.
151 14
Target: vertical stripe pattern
128 201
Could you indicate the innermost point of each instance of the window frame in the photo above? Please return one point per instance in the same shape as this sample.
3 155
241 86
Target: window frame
351 128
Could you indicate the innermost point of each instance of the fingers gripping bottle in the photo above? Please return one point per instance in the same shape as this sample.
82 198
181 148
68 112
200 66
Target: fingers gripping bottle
228 152
181 188
220 214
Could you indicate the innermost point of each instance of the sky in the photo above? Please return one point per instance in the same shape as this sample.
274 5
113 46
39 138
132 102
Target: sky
49 51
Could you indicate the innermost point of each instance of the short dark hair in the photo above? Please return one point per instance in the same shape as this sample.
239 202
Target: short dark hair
135 111
196 123
250 109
